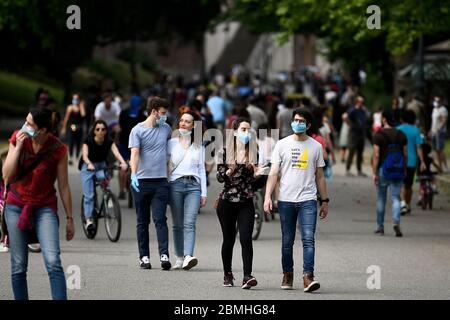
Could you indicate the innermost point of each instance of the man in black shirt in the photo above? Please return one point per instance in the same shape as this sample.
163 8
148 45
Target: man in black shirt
388 140
357 121
128 119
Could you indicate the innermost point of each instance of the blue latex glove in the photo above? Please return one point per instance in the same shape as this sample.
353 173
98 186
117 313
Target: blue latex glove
135 182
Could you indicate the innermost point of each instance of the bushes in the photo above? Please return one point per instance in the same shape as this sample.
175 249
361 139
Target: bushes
17 93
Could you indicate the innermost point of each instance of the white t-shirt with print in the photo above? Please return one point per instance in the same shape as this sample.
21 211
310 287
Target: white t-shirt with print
298 161
436 118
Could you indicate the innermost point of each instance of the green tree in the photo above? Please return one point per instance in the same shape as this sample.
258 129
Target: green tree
343 24
34 32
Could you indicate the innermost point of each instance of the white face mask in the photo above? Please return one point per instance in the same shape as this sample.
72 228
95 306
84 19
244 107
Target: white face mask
185 132
435 103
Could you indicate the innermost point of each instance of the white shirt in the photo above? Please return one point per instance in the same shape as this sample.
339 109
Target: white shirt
109 116
265 147
192 164
298 162
437 118
257 116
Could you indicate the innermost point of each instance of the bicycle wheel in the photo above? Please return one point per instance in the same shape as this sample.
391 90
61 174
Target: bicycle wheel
259 217
90 235
113 217
426 195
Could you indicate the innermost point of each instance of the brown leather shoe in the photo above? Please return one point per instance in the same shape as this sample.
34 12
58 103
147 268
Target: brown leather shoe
288 280
309 284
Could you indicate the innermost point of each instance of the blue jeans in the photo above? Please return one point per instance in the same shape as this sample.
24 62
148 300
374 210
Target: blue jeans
382 187
47 230
305 213
185 202
87 185
154 194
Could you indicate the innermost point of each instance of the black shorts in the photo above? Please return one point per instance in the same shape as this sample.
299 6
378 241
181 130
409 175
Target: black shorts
410 174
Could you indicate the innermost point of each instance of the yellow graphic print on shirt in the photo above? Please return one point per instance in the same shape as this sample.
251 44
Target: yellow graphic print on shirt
300 159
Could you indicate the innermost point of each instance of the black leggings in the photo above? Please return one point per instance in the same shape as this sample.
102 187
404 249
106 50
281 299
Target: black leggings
242 213
358 148
75 138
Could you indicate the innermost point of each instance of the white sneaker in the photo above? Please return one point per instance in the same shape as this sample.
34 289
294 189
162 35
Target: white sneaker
89 225
144 263
189 262
165 262
3 248
178 263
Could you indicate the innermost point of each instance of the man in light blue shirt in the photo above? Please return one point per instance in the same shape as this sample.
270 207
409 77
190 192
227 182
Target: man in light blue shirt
415 141
217 106
148 144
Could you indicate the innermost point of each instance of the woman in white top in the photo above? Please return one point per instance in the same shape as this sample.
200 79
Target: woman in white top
187 188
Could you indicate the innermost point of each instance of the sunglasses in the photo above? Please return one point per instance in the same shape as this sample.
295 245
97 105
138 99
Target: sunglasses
100 129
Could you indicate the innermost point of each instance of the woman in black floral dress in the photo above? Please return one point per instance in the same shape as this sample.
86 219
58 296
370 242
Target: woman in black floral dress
238 171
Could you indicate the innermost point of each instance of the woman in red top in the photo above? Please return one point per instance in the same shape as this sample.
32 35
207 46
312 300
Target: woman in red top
35 160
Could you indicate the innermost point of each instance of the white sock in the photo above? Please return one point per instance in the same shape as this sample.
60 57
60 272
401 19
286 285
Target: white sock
403 203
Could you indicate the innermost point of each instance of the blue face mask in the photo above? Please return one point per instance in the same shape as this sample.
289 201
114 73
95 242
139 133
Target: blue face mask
29 131
244 137
298 127
161 120
75 102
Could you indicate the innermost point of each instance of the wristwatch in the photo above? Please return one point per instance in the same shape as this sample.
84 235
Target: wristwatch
321 201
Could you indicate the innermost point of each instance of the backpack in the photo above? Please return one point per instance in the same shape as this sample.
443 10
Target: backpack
394 164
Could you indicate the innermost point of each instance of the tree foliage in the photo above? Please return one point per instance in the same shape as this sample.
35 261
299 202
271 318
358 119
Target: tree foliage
34 32
402 22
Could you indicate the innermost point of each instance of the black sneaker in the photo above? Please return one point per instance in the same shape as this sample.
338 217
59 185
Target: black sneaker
165 263
398 233
122 195
228 279
144 263
379 232
248 282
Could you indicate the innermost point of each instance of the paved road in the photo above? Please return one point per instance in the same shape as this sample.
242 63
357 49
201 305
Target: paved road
413 267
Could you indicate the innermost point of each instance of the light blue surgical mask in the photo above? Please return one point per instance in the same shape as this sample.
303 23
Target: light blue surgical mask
75 102
298 127
161 120
244 137
29 131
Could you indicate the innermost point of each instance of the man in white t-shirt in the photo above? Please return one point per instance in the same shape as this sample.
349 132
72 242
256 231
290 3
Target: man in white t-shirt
439 119
257 115
299 158
108 111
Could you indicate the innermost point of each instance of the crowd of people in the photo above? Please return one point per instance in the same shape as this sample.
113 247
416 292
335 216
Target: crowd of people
263 132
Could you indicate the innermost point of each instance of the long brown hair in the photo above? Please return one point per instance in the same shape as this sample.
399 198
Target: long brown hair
251 149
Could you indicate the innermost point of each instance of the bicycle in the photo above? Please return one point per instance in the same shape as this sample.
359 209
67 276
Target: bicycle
426 191
258 201
108 208
260 215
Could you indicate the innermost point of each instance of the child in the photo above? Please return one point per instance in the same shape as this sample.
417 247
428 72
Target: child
429 161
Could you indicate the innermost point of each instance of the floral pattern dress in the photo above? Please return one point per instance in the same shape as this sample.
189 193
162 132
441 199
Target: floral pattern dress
239 186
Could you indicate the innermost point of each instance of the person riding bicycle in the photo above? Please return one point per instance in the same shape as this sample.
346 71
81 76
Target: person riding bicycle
428 174
96 148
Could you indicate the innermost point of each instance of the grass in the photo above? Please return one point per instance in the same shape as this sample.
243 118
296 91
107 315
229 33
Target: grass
17 93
